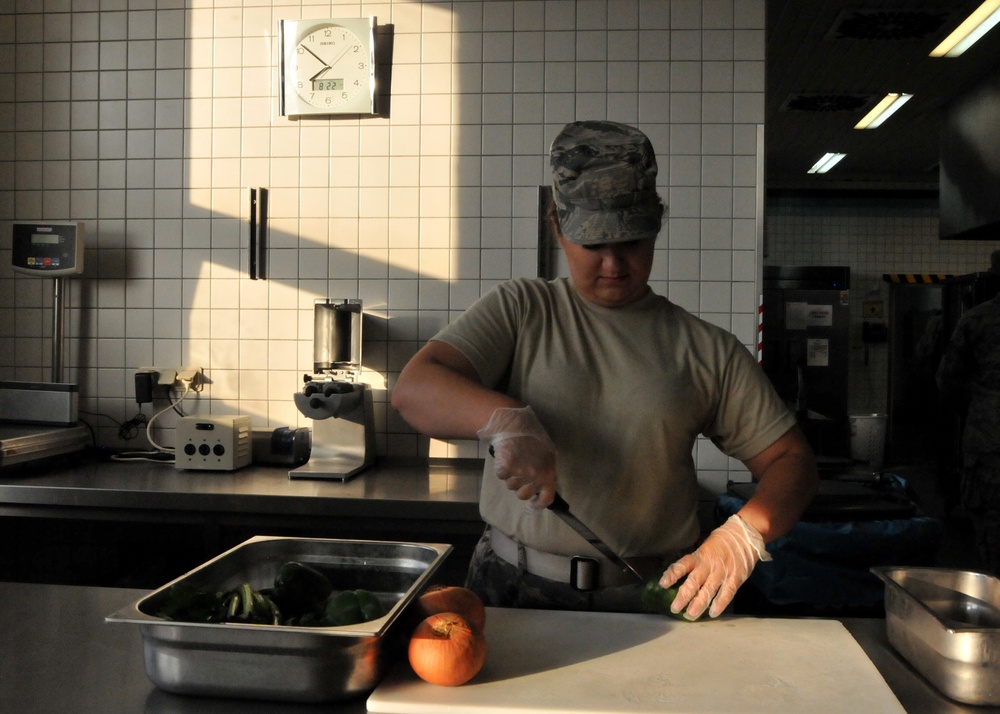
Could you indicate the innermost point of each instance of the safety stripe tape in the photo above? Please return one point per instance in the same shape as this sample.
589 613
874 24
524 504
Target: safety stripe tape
760 330
915 278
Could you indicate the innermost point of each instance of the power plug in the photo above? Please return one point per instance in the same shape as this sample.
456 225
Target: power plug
194 376
144 387
176 377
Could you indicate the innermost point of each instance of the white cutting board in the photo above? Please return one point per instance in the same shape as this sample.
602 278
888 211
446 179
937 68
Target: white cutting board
548 661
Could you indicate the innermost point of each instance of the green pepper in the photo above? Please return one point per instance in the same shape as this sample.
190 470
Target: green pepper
300 588
343 609
371 608
265 611
244 604
351 607
247 602
310 619
185 603
232 608
659 599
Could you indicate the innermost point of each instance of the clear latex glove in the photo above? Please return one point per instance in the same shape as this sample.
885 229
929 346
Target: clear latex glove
716 570
525 457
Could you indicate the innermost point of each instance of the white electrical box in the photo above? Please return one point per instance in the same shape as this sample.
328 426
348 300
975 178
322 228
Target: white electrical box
223 443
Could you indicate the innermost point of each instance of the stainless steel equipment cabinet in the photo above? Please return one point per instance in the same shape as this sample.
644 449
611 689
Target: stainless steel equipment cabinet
806 314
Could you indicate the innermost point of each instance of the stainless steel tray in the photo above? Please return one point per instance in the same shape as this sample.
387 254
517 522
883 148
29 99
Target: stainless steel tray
24 442
303 664
946 623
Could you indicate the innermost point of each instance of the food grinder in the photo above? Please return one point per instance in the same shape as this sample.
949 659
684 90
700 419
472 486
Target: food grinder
334 396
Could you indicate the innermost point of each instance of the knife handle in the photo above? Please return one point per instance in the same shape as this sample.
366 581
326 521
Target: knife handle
559 504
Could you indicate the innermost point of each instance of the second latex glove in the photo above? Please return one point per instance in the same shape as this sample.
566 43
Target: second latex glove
716 569
525 457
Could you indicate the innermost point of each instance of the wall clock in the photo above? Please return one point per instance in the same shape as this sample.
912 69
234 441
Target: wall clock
327 66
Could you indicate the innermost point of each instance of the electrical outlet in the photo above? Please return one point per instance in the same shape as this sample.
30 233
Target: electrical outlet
871 309
175 377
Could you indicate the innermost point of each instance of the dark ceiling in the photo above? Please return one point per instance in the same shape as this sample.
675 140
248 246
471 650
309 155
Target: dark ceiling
830 61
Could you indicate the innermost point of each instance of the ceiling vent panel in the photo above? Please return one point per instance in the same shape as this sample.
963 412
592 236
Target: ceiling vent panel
825 103
885 24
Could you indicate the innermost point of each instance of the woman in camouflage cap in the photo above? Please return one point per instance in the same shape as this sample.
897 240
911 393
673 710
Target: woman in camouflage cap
599 387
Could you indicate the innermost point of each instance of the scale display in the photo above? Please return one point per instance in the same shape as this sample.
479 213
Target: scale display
48 249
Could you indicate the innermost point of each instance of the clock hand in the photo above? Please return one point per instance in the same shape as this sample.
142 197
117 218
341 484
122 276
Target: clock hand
341 55
319 74
325 65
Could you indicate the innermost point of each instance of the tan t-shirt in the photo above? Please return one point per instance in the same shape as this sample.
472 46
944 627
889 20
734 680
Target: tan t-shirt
623 393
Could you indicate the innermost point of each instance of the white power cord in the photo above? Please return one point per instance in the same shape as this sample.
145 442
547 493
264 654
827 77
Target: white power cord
173 405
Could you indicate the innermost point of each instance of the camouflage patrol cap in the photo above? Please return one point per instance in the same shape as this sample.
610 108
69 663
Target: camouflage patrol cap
604 183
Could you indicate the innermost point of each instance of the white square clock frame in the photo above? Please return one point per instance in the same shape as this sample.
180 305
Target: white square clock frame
326 66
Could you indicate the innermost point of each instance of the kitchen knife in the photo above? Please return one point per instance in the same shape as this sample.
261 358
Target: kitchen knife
561 509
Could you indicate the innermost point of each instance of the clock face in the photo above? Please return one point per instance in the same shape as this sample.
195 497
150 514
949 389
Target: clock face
331 66
327 67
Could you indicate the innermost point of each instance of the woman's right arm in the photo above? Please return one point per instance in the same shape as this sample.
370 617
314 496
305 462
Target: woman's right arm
439 394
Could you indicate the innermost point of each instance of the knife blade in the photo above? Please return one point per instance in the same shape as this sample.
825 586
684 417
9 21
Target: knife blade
561 509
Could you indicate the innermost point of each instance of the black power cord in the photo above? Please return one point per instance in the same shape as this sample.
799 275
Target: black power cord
127 430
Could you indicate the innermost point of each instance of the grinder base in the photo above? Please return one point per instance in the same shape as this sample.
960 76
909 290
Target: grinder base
343 441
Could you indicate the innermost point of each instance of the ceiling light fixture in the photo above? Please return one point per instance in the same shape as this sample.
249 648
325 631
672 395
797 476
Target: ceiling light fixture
981 21
884 109
826 163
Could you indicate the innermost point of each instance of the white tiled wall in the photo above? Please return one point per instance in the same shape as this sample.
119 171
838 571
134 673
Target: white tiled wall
873 236
148 120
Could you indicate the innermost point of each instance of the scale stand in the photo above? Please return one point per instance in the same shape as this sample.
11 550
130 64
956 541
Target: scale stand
57 329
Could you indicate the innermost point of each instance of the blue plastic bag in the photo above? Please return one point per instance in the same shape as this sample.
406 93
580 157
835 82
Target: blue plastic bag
826 564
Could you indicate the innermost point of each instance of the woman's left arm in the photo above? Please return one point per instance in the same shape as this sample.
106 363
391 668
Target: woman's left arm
787 481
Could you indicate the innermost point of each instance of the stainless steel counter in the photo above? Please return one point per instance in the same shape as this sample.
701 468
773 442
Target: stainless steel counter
446 491
58 655
139 524
914 692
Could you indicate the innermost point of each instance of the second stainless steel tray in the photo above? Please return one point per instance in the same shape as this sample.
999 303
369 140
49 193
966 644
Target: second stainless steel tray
946 623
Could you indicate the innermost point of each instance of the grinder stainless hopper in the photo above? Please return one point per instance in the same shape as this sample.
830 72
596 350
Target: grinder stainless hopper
334 397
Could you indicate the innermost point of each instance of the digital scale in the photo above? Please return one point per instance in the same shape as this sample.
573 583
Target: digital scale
52 250
40 418
48 249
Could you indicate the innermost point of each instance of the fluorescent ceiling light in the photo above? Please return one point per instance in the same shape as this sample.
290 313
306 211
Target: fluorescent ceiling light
826 163
981 21
884 109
